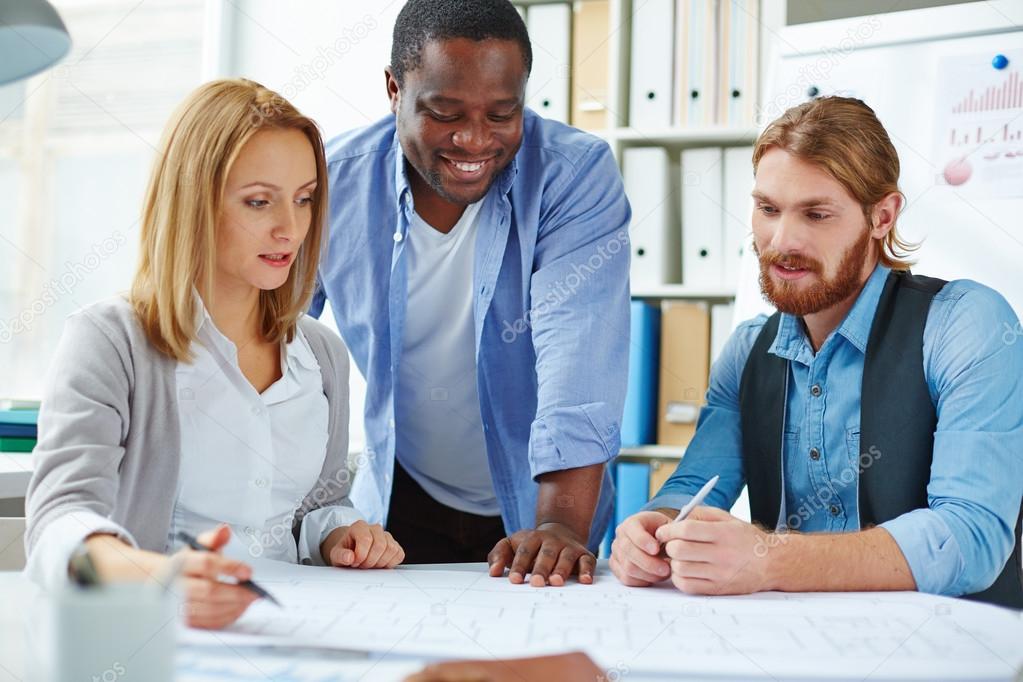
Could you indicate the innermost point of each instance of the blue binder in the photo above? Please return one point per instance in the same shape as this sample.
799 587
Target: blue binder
632 488
639 421
18 430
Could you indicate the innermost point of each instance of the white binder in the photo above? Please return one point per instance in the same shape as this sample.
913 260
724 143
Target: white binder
549 32
738 61
702 241
650 87
697 62
738 211
655 247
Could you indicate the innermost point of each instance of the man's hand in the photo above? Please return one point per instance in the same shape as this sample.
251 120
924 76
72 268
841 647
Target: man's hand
574 667
551 553
361 545
636 557
712 552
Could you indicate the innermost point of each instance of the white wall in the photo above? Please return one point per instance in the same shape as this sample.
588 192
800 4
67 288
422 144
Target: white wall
328 59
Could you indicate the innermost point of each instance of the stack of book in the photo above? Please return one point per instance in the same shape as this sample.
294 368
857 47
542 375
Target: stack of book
18 429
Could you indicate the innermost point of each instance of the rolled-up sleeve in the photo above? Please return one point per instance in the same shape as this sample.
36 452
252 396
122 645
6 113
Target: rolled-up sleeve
579 294
716 448
960 543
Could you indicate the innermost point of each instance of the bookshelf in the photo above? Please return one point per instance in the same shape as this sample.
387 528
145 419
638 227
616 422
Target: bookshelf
616 128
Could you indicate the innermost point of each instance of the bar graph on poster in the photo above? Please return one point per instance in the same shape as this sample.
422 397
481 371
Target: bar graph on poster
978 134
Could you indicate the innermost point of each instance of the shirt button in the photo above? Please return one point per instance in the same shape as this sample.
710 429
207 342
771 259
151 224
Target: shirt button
834 510
815 454
390 423
398 236
815 390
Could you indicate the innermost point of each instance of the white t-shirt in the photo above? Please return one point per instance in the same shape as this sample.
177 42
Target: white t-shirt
439 429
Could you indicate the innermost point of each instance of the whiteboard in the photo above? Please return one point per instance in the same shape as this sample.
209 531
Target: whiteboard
894 63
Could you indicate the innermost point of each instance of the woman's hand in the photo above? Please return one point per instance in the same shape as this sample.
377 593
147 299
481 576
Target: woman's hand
361 545
208 602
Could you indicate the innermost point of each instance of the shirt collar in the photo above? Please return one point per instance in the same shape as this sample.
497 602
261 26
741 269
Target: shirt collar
294 354
298 352
791 342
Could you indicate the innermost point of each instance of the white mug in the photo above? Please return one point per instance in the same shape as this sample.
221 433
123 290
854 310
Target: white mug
117 632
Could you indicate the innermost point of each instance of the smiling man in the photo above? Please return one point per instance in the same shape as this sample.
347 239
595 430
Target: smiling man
876 418
478 271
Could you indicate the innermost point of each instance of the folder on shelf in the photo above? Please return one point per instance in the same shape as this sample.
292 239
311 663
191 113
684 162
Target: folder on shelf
696 62
738 62
660 471
685 365
639 422
721 323
549 32
652 65
738 211
591 26
17 444
653 232
632 486
702 241
17 430
19 416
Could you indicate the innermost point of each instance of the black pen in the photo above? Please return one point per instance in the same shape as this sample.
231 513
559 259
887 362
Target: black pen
247 584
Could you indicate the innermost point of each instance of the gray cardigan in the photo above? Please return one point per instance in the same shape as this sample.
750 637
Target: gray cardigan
109 440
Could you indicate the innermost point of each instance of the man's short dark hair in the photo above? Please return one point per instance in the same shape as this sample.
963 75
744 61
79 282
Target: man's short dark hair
421 21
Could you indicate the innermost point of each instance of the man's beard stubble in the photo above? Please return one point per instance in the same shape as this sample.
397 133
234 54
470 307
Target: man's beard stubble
821 295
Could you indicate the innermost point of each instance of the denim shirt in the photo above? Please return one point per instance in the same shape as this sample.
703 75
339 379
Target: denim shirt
550 306
974 373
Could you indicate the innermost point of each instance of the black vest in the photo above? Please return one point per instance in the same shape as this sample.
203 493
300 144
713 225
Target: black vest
897 422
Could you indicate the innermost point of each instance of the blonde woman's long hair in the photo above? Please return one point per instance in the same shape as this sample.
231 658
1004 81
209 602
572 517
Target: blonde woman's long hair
182 209
843 136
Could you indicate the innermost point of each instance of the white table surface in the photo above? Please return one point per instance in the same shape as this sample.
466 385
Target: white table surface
19 598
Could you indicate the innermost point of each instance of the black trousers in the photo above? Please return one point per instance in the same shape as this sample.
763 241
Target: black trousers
433 533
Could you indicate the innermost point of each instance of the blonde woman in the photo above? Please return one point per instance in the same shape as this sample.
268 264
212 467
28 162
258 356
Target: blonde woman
205 401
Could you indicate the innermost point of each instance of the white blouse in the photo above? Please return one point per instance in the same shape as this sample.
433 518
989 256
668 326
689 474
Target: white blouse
250 459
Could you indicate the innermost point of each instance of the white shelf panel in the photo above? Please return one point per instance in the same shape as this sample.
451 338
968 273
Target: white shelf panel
654 451
717 135
682 291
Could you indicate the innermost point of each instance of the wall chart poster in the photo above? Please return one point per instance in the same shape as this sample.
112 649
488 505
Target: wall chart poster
978 134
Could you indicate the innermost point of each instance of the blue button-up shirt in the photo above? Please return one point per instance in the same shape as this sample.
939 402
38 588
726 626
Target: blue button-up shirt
550 306
974 371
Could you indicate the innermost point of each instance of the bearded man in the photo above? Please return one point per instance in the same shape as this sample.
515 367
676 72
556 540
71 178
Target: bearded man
876 418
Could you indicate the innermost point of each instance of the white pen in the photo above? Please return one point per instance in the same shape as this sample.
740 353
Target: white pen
697 500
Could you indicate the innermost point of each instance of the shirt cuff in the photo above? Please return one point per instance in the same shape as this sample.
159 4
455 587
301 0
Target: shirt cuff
569 438
47 566
317 525
667 501
930 549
